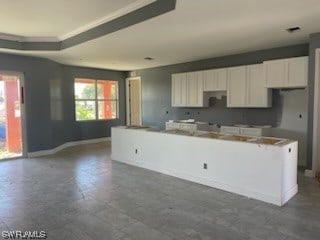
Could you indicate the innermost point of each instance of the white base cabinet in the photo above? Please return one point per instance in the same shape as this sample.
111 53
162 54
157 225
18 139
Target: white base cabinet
190 127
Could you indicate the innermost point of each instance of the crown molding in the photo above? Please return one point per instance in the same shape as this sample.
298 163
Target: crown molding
137 12
121 12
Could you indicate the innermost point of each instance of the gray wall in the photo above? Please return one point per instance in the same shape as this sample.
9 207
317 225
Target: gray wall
70 130
284 114
49 101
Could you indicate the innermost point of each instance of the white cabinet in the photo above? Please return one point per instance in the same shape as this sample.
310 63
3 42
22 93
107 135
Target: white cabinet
179 90
190 127
215 80
286 73
195 89
297 72
187 90
236 94
230 130
257 94
246 87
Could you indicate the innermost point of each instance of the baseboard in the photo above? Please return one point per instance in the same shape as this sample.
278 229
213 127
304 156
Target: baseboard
276 200
65 145
309 173
289 194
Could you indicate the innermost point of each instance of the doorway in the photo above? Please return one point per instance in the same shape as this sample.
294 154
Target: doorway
11 115
133 96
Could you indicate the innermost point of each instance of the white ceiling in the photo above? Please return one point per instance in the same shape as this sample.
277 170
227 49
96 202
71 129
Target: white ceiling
194 30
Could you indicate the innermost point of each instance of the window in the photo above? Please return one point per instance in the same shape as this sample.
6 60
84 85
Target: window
95 99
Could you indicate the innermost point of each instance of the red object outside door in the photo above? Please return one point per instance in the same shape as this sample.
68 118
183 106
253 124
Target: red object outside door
13 116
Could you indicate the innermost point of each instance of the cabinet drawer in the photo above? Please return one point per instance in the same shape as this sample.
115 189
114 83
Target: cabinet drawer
251 131
172 126
231 130
188 127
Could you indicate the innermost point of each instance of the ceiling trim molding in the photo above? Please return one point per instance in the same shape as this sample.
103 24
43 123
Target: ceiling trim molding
121 12
135 13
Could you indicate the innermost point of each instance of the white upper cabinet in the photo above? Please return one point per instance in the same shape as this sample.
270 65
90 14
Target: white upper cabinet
236 94
257 94
195 89
215 80
246 87
179 90
286 73
187 90
297 72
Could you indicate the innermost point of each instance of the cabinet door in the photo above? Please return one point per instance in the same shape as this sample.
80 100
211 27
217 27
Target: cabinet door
215 80
209 80
297 72
275 73
195 89
236 93
179 90
257 94
221 78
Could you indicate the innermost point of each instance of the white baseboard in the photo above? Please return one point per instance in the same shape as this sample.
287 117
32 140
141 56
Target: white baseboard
214 184
65 145
309 173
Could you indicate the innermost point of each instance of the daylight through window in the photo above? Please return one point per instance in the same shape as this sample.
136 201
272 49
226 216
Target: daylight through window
95 99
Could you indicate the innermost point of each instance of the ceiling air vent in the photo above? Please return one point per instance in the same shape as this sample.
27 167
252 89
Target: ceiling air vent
149 58
293 29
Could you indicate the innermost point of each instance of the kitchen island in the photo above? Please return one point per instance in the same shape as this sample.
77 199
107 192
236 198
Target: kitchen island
257 167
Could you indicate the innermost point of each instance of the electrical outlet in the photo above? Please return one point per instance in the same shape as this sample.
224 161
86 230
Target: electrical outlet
205 166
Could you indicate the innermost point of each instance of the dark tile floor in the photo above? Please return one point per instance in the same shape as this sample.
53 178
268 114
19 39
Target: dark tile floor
81 194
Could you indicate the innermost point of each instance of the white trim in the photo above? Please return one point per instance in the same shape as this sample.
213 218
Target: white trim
309 173
279 201
118 13
123 11
127 98
65 145
316 111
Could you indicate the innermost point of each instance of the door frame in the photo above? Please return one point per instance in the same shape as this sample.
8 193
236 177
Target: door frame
128 96
23 120
316 117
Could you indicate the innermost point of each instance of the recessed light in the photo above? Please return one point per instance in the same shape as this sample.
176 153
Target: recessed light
293 29
149 58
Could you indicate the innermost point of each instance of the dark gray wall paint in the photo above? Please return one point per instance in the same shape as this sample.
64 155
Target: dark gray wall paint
37 75
314 44
156 97
50 119
71 130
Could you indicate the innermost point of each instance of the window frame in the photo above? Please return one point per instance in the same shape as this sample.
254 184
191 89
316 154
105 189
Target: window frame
96 100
